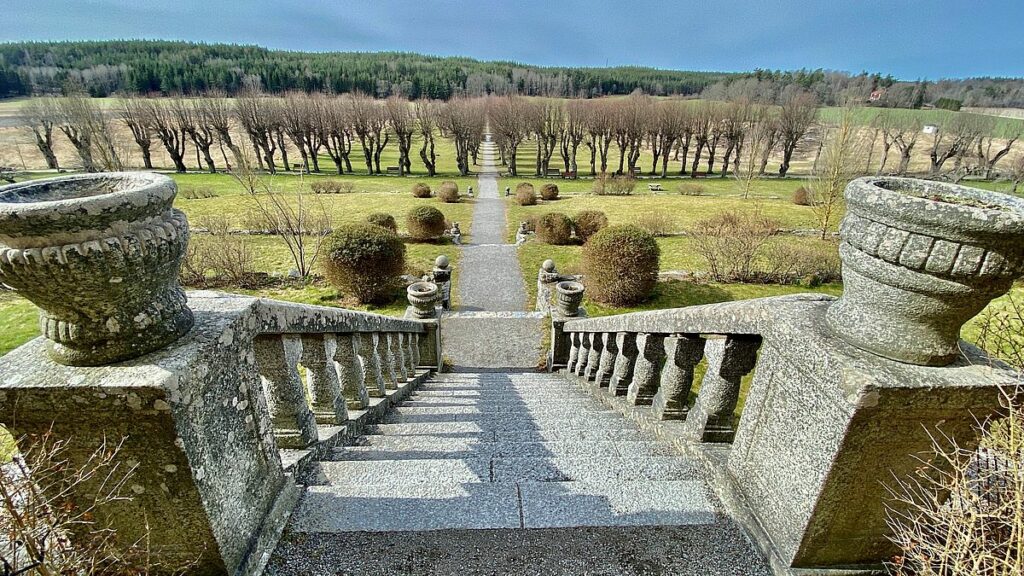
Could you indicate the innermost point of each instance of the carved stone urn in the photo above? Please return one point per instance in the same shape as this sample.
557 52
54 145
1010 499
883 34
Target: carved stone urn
568 297
920 259
99 254
422 299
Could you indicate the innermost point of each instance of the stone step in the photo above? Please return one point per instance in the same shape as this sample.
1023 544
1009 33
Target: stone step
491 340
473 431
425 447
557 469
502 406
395 507
571 419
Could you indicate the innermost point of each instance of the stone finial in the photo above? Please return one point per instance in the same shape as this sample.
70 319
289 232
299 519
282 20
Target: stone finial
441 262
548 273
920 258
99 254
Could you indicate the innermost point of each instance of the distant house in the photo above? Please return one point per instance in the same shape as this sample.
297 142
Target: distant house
930 129
876 95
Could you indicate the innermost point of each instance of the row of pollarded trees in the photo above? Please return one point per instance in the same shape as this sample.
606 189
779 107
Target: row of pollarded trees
213 127
615 132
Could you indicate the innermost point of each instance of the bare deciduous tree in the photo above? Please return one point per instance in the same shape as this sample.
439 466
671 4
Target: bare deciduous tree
796 116
87 128
427 118
403 124
953 138
840 160
509 117
161 118
41 115
256 118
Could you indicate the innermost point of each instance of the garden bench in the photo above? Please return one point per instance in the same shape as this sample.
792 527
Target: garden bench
569 175
553 172
394 171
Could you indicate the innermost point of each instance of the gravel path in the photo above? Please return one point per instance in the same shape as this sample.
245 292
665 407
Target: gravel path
489 279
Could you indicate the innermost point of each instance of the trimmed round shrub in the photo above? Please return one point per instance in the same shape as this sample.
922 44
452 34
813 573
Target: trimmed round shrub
525 194
620 265
383 220
802 196
365 260
421 190
590 222
448 192
549 191
425 223
555 228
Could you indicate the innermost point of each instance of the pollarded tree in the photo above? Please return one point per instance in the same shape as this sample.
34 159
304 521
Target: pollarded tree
133 113
88 130
705 116
254 114
671 120
337 132
573 131
369 122
632 115
953 139
548 132
799 109
905 135
215 111
509 118
189 117
403 124
427 118
462 120
166 125
41 115
735 121
296 121
990 149
600 120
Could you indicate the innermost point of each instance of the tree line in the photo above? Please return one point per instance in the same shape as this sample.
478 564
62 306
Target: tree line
608 136
144 66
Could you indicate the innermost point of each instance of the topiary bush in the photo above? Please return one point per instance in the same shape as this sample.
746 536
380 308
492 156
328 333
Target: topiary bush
589 222
525 194
425 223
555 228
620 265
365 260
448 192
421 190
549 191
383 220
802 196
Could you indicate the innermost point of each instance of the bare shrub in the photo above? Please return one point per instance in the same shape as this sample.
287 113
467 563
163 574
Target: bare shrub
448 192
49 526
525 194
692 189
195 193
802 196
959 513
810 265
555 228
622 185
194 265
332 187
656 223
230 258
731 242
1001 330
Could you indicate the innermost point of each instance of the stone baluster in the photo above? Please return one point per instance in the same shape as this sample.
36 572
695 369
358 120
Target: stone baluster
350 371
370 360
729 360
682 353
398 351
387 356
584 353
574 352
606 365
277 358
416 361
409 352
651 348
318 351
593 355
625 361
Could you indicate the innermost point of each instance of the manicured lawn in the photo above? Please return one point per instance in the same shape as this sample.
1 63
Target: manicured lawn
19 322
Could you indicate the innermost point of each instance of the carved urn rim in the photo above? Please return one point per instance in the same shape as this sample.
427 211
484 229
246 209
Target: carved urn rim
570 287
936 208
61 207
421 289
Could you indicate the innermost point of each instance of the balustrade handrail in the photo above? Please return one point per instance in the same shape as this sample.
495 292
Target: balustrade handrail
744 317
277 317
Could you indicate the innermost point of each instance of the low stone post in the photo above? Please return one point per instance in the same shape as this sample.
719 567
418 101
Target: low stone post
277 357
606 365
646 373
350 371
430 345
318 351
370 361
593 355
583 354
682 353
729 359
442 275
625 360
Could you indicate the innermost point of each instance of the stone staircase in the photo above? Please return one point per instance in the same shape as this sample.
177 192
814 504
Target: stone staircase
512 464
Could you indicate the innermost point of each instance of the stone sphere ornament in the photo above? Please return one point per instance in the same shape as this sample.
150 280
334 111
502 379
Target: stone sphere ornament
920 259
99 254
568 297
422 298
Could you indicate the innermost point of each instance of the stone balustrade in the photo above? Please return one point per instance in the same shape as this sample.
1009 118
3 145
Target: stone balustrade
824 427
224 420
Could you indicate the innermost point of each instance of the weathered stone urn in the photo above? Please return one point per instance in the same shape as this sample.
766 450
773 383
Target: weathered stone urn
920 259
568 297
99 254
422 299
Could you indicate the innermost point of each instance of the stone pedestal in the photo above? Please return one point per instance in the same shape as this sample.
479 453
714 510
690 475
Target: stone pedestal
827 426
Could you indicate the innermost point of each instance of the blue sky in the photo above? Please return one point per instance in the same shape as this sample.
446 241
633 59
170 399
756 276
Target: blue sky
907 38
